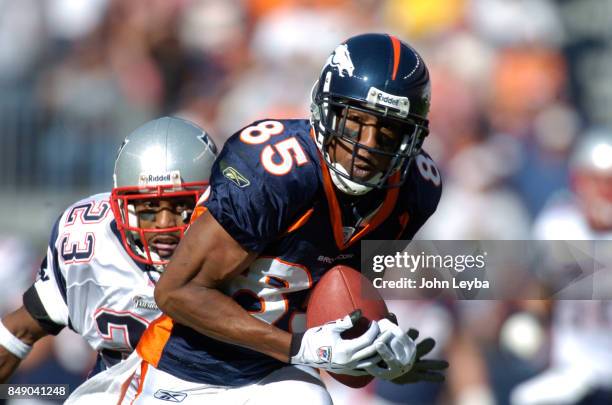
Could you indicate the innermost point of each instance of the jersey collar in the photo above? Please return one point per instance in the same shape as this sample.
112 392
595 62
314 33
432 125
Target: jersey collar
335 213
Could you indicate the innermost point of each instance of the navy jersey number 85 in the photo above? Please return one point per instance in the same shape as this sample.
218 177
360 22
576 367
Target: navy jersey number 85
272 193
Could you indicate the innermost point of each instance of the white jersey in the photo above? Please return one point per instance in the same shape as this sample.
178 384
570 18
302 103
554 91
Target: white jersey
581 330
89 283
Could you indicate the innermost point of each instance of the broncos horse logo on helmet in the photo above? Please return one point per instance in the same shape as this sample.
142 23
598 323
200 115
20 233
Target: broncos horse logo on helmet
341 60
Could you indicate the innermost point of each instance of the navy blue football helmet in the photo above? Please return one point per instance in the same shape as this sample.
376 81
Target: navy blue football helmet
380 75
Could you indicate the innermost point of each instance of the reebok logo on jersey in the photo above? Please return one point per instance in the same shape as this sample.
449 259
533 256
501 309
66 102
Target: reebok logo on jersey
170 396
236 177
324 353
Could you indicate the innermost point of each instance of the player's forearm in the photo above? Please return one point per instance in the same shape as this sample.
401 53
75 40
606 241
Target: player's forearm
21 324
214 314
20 327
8 364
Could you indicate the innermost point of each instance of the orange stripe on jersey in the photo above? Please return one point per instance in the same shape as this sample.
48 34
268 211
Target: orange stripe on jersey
198 211
403 220
382 214
300 222
154 339
334 208
144 366
124 388
396 55
336 215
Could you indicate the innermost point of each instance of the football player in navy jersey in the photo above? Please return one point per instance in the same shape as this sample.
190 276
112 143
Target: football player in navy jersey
289 200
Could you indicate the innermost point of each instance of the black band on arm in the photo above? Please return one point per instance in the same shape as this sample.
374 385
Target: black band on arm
33 304
296 343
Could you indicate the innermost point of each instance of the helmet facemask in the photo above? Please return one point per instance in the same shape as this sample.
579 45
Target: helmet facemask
330 116
134 237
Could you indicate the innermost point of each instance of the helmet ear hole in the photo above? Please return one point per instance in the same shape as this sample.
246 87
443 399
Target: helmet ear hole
314 112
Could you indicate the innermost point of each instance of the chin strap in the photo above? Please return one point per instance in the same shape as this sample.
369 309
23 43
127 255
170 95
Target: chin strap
343 184
348 186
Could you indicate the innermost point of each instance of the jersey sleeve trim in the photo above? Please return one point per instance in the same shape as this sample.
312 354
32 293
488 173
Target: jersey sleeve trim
336 216
55 308
46 300
35 307
59 277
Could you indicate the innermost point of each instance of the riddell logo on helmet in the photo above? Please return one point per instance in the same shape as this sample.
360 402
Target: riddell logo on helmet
150 179
159 178
379 98
388 100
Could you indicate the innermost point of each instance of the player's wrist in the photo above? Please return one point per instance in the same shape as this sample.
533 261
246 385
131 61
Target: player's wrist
12 343
305 347
295 346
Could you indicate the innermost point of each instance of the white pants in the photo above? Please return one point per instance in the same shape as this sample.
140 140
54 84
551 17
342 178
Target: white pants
144 384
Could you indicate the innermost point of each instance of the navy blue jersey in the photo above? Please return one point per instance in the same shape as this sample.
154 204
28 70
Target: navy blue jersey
271 191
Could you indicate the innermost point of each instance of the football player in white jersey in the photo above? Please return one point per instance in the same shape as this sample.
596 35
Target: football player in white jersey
581 331
106 251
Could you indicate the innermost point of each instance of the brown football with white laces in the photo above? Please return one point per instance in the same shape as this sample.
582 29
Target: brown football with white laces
338 293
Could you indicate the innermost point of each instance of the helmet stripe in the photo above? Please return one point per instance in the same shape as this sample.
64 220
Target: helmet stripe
396 55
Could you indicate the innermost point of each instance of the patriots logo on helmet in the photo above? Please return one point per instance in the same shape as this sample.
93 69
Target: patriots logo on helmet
341 60
324 353
206 140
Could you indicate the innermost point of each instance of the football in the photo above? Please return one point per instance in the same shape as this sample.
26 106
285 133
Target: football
338 293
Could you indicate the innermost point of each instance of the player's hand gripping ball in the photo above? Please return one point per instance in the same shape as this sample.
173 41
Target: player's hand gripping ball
341 291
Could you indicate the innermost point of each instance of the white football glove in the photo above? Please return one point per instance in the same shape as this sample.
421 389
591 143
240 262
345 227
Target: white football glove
430 370
396 349
323 347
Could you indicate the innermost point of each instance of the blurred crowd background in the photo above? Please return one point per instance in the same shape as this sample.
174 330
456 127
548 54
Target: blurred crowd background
514 84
